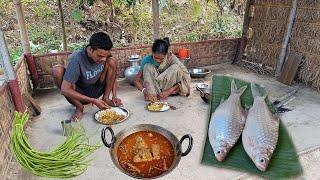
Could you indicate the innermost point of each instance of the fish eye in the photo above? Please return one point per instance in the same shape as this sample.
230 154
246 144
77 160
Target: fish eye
219 152
262 160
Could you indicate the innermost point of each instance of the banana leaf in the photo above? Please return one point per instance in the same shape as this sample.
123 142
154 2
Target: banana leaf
284 162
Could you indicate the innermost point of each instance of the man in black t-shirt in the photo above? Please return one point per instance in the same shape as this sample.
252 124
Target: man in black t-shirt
91 73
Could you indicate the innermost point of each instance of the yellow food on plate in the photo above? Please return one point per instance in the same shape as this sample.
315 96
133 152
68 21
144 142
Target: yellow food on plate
109 116
156 106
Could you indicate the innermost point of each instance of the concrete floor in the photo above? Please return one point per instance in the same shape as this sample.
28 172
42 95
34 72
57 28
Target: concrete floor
303 124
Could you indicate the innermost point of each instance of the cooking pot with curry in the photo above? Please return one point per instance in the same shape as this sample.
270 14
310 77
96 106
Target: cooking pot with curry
146 151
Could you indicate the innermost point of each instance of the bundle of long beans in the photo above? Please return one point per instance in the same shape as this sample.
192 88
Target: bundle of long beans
68 160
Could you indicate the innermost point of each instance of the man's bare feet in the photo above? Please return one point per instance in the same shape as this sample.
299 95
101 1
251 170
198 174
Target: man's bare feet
77 115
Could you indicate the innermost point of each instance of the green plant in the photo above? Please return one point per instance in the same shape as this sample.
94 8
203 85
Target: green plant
77 46
15 54
77 15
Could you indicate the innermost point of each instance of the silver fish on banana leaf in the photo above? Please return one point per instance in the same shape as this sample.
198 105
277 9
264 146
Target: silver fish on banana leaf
260 134
227 123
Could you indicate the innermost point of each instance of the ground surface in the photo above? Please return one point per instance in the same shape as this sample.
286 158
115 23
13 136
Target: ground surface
190 117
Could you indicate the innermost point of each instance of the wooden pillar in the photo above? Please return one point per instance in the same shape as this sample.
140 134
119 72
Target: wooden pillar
156 18
25 42
286 38
13 82
22 25
243 41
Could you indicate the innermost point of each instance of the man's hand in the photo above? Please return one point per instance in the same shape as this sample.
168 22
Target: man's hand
100 104
116 101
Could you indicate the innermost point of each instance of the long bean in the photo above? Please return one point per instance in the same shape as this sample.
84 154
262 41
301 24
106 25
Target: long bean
67 160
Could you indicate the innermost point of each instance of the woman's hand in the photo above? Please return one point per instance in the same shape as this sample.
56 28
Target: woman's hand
164 94
100 104
149 97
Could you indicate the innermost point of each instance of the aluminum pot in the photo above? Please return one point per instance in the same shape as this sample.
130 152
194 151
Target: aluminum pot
198 72
131 72
117 139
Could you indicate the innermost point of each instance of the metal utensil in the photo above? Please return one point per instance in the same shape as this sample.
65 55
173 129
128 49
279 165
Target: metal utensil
66 127
198 72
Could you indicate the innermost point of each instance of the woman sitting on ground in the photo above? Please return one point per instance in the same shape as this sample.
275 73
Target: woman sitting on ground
162 74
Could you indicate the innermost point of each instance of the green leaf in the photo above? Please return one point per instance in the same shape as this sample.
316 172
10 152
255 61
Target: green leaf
284 162
77 15
196 8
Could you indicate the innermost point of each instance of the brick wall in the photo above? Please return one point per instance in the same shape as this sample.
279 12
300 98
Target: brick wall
202 53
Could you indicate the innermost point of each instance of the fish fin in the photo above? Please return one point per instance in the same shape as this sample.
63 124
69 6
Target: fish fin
241 90
222 100
233 86
264 96
246 110
254 90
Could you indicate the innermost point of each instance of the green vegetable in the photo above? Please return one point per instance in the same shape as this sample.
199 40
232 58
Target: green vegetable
68 160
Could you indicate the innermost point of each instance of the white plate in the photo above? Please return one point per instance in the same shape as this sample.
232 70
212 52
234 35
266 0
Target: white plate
165 107
118 110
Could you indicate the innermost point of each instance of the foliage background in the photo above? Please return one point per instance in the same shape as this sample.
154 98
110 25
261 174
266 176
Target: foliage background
129 22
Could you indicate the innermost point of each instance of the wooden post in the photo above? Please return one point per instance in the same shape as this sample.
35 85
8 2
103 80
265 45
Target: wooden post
22 25
25 42
286 39
156 19
243 41
13 82
64 37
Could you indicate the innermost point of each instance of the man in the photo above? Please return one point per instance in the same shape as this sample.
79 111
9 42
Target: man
91 73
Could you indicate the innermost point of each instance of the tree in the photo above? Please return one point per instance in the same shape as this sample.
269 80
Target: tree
64 36
156 19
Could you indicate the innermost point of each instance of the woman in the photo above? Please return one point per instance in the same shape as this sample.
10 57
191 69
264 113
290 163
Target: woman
162 74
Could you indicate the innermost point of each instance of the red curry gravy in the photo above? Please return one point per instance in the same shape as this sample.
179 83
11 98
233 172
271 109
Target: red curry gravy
145 154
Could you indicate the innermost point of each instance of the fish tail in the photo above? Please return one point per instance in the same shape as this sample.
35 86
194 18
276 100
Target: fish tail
255 91
234 88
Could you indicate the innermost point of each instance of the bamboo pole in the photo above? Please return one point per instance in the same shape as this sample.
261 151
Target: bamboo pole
156 19
64 36
286 39
13 82
22 25
25 42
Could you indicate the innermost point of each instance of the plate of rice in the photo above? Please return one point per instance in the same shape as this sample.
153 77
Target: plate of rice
114 115
158 106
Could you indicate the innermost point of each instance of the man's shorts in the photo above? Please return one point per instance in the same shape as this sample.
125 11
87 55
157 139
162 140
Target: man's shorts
93 91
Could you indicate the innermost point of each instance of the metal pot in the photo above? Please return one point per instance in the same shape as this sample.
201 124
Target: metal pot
198 72
116 141
131 72
205 95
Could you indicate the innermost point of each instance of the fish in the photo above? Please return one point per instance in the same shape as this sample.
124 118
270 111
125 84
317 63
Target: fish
227 123
261 131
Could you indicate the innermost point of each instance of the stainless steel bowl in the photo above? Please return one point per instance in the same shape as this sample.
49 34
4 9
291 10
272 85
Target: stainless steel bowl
201 86
198 72
116 141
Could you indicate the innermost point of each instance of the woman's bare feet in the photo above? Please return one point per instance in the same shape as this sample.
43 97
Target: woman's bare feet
77 115
175 92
